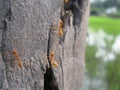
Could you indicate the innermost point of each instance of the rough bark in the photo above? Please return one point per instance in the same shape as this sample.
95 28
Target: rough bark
32 26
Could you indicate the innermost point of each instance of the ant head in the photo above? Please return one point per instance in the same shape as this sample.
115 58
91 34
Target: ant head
66 1
20 64
60 33
52 53
60 22
14 51
55 64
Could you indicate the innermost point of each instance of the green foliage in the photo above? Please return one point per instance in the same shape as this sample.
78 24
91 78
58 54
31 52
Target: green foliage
101 6
109 25
113 74
111 3
106 4
91 62
96 11
117 15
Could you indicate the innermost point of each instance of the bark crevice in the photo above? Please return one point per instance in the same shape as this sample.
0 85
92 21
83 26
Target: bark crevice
49 77
76 7
6 19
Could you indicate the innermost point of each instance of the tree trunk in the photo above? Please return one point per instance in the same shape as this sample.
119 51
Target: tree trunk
50 35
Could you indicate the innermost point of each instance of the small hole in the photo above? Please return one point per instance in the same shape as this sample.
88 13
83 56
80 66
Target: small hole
50 81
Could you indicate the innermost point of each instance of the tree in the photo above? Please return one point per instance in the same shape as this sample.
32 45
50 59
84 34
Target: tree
31 26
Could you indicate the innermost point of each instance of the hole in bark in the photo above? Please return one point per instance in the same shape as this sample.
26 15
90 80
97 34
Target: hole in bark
76 7
50 80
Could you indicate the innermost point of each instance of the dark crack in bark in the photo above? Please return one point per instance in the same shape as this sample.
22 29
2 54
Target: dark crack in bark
77 8
5 41
49 78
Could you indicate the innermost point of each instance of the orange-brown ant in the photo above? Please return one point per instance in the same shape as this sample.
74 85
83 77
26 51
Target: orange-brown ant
66 1
60 28
20 64
52 61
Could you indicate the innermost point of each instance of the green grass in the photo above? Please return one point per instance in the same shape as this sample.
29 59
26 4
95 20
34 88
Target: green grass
109 25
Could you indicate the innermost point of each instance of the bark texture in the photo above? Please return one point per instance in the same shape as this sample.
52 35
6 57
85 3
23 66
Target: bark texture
31 26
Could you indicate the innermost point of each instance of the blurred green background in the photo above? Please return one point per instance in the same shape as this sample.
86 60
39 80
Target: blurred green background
103 46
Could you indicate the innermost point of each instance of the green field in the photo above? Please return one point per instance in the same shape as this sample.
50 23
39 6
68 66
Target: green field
109 25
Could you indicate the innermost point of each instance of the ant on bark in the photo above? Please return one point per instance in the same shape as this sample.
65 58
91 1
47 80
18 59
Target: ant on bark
51 59
14 52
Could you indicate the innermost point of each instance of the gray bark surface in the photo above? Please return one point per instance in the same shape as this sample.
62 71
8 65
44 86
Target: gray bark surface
31 28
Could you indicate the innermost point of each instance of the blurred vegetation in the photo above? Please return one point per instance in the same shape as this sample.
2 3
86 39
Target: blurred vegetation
99 7
110 23
113 74
91 61
105 4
